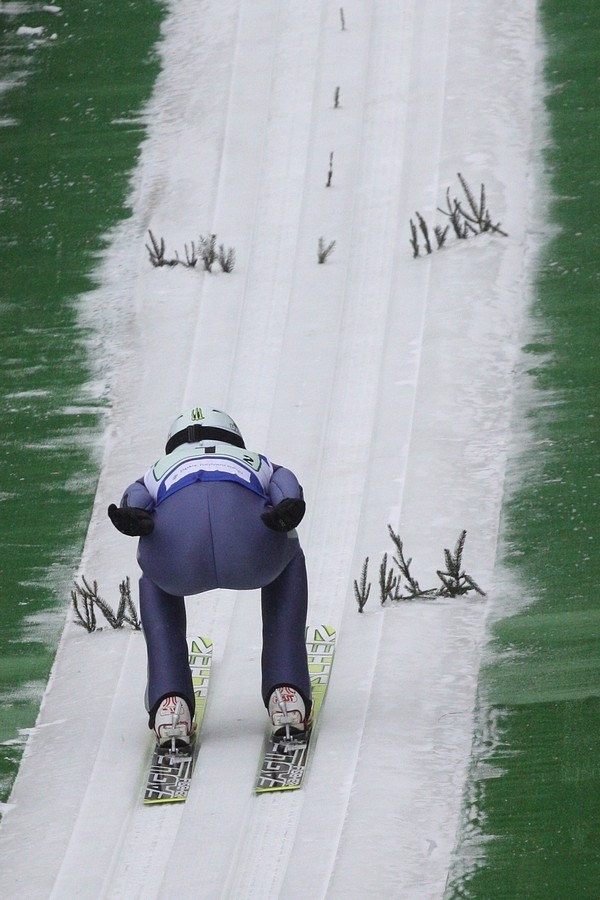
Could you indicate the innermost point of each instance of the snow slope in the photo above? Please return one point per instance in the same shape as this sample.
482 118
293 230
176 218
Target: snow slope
384 382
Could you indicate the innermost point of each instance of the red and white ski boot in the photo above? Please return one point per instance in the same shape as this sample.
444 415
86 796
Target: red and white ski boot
173 724
287 711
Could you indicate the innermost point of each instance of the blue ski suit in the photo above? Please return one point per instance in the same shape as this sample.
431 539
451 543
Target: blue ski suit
206 501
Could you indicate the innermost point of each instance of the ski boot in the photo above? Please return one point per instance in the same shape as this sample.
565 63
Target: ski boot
287 711
173 724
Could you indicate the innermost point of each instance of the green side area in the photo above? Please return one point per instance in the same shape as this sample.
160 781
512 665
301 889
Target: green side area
69 137
532 822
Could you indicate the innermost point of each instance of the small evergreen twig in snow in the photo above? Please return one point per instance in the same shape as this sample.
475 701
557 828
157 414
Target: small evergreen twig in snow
324 250
226 258
362 589
86 617
157 253
414 239
454 214
424 232
330 172
440 235
191 257
389 583
127 613
404 566
456 582
90 598
207 248
479 215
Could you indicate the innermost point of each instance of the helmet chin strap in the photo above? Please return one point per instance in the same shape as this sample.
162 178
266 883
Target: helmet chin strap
194 433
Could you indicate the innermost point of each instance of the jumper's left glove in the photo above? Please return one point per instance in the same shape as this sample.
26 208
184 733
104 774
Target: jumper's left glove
131 520
286 515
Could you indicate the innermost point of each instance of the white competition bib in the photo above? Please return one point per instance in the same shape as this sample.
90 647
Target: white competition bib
208 461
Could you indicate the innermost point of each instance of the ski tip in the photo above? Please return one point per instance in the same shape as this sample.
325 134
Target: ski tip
320 634
201 645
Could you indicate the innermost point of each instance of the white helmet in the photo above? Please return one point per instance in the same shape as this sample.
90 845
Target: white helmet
203 423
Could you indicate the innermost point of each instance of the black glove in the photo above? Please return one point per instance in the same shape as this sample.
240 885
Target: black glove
286 515
131 520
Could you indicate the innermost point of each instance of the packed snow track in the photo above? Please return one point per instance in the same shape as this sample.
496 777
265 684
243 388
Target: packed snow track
383 381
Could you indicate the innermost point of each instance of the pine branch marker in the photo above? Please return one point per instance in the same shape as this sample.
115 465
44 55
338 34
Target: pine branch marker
330 172
424 232
89 598
414 240
85 595
362 589
403 564
226 258
470 216
157 253
324 250
206 250
455 582
388 582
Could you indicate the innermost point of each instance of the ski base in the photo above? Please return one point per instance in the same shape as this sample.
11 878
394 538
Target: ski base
170 773
285 761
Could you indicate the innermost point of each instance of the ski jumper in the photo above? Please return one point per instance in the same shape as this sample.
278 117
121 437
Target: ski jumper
206 500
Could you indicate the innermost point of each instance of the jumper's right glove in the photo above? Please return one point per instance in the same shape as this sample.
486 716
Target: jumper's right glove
131 520
286 515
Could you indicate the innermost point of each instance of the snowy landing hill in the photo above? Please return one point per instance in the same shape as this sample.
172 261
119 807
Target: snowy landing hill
384 381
